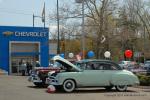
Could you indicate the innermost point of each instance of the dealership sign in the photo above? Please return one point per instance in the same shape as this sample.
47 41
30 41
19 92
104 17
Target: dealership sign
8 33
25 34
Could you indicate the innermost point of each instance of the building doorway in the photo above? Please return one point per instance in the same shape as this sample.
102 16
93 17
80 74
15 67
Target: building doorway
17 61
27 52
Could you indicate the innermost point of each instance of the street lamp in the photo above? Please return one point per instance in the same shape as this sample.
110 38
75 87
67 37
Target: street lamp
83 37
34 16
42 17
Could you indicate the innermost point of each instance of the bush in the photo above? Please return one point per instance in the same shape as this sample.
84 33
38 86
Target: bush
144 80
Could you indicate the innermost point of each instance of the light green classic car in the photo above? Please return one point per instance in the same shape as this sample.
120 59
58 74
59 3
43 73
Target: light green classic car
91 73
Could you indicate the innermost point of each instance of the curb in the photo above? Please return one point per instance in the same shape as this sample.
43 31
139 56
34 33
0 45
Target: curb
142 87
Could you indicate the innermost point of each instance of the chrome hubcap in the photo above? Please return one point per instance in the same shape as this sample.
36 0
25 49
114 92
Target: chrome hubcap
69 85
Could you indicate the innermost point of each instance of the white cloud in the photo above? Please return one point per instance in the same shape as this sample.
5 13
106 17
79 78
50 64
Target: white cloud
52 28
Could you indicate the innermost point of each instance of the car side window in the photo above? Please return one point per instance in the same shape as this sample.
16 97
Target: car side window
88 66
91 66
82 66
100 67
106 66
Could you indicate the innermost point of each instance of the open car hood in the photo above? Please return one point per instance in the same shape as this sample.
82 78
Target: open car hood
65 63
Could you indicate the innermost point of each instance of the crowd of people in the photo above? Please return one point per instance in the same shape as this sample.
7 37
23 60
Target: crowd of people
26 67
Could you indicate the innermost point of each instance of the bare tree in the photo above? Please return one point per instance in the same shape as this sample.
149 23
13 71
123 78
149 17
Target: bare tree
68 27
141 12
99 13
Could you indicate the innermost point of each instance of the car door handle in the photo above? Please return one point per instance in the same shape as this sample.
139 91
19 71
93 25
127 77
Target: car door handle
103 71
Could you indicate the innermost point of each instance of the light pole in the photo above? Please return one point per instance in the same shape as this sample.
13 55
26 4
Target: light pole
58 40
33 20
34 16
83 34
42 17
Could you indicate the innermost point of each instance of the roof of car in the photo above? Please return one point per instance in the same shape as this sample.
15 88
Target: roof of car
94 60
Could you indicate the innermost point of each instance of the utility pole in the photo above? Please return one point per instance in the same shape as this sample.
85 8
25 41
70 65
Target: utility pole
43 15
58 40
83 34
33 20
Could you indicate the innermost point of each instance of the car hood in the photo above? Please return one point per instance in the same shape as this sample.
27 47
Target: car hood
65 62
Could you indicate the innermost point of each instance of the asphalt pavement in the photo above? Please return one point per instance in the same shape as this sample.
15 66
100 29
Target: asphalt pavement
18 88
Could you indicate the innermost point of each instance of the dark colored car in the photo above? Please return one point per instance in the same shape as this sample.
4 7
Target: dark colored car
38 75
147 67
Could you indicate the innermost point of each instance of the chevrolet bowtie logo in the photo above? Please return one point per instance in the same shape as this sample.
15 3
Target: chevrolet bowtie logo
8 33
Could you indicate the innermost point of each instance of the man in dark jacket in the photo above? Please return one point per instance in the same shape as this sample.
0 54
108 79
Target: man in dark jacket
29 68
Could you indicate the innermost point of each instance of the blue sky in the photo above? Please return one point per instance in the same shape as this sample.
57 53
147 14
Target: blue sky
20 12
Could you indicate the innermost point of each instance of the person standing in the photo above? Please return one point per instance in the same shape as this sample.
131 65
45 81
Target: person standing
23 68
29 68
37 64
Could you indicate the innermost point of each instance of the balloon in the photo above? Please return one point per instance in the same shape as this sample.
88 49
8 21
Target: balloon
107 54
91 54
128 53
62 55
71 55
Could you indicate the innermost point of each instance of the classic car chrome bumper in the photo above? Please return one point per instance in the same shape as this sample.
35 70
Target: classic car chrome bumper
51 81
34 79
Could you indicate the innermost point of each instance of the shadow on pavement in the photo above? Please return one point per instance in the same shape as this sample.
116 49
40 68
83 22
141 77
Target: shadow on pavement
91 91
37 87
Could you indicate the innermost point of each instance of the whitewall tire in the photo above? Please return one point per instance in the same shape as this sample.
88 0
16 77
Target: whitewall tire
121 88
69 85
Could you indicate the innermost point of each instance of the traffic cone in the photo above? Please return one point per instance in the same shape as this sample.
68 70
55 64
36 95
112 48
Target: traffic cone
51 89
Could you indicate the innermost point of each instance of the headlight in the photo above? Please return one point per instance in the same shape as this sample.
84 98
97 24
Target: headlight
50 73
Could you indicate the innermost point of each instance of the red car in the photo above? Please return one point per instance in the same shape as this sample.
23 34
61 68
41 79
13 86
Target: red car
38 75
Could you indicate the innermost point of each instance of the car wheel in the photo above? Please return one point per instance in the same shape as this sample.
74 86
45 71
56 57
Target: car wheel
58 88
68 85
121 88
108 87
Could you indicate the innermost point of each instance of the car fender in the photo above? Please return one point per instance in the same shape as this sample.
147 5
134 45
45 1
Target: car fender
61 77
120 79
